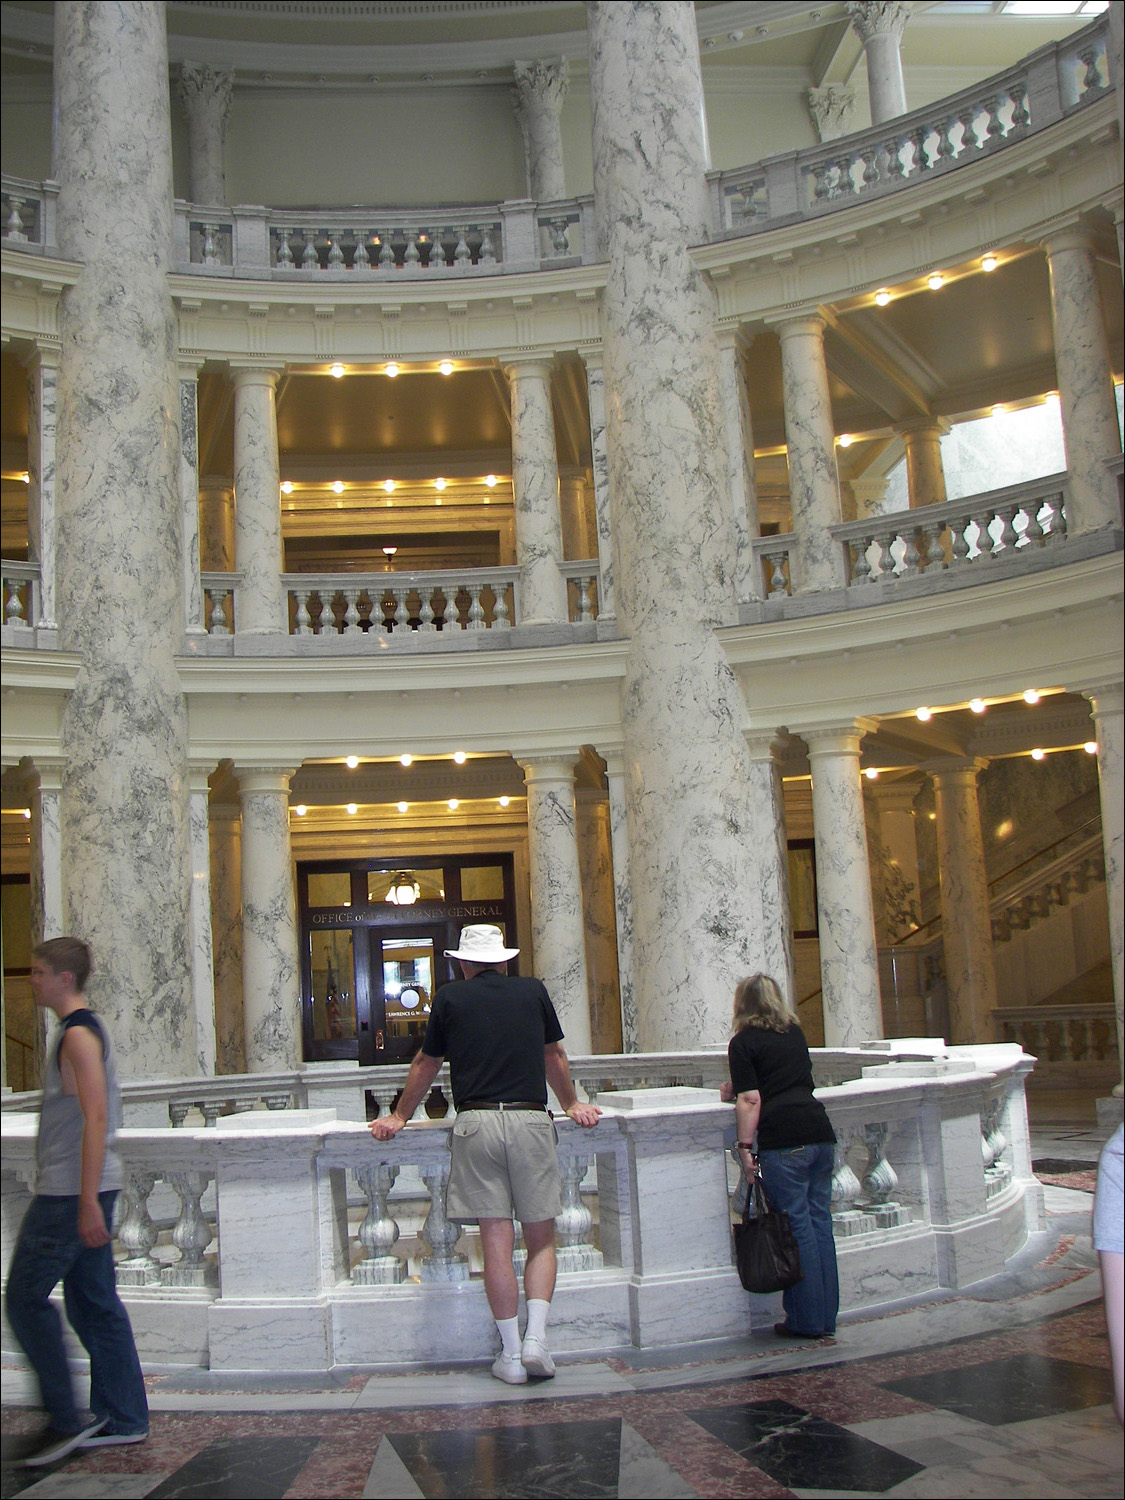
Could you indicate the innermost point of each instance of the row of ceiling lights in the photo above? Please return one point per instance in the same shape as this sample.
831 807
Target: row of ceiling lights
935 280
338 486
392 370
1031 696
351 808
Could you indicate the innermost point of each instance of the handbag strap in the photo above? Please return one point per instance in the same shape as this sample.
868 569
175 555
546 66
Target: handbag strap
762 1205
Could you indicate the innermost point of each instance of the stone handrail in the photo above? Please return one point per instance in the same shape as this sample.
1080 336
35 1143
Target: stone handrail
1037 893
1071 1043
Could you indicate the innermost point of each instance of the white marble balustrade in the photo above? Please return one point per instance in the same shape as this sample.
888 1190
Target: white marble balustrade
1062 1034
21 602
397 603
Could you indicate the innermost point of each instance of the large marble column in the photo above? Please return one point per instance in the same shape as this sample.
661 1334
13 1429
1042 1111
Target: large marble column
557 923
595 859
205 94
124 802
1107 704
814 485
743 488
768 804
271 1002
202 957
599 461
849 963
189 496
42 420
695 871
538 94
925 476
535 495
622 898
966 925
261 606
879 24
226 936
216 524
1084 372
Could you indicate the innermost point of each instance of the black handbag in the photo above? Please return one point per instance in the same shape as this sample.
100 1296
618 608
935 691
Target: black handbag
765 1248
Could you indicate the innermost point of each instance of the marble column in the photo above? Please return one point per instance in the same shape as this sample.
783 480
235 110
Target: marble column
622 898
194 623
595 858
205 94
271 1003
814 485
216 524
42 418
572 508
202 957
768 805
879 24
695 871
849 963
599 459
538 94
925 476
831 110
1107 704
226 936
124 801
535 496
743 487
557 924
1084 372
45 896
261 607
894 859
966 925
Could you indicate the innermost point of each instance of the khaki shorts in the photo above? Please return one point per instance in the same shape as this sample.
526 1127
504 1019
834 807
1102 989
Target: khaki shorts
504 1163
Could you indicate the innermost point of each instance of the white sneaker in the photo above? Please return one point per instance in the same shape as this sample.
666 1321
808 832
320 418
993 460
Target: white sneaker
509 1369
536 1358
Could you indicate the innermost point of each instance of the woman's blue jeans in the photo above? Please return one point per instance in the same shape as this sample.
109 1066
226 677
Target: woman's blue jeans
48 1251
798 1180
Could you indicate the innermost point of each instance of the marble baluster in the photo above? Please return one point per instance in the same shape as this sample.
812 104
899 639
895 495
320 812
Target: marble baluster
1107 704
596 870
444 1262
270 988
205 94
557 921
694 868
136 1232
925 476
202 957
535 496
814 486
575 1251
42 423
743 488
262 603
599 459
768 811
966 925
225 829
849 966
378 1231
124 802
191 1234
879 24
538 95
194 623
622 897
1084 370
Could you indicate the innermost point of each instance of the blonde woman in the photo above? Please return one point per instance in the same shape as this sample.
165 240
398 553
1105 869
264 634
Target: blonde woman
785 1133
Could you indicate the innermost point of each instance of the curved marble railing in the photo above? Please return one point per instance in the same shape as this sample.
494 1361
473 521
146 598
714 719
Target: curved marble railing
1082 1035
293 1241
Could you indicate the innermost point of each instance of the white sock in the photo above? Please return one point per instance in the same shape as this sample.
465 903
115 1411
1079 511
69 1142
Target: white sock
509 1335
537 1309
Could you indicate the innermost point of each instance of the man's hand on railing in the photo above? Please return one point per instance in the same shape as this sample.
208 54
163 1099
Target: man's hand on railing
387 1129
586 1115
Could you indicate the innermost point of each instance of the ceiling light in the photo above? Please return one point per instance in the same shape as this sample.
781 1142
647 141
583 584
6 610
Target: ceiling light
446 367
459 757
439 484
845 440
453 804
977 705
389 486
25 812
1031 696
923 715
882 298
935 282
1052 399
338 486
391 371
337 372
504 801
871 773
286 486
989 263
300 809
403 806
351 762
490 480
24 478
998 411
1090 747
389 552
352 809
406 760
403 890
1039 755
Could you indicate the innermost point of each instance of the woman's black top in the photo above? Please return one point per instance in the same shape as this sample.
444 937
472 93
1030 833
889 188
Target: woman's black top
777 1064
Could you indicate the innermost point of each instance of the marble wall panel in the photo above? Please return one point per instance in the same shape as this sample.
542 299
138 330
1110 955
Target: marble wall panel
42 430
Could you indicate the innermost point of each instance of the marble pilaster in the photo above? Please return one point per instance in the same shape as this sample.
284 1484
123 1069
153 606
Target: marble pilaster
124 796
45 896
226 936
694 869
1084 372
42 426
261 607
194 623
595 858
743 488
535 496
966 925
768 809
205 94
879 24
599 459
557 923
622 899
925 476
1107 704
831 110
270 982
538 95
849 965
202 957
216 524
814 485
572 509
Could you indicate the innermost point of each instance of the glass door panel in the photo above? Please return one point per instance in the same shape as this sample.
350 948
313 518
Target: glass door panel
333 994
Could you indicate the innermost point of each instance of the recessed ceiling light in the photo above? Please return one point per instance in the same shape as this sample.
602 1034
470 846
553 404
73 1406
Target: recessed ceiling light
286 486
871 773
1039 755
406 760
882 298
459 757
402 807
439 484
845 440
989 263
935 282
351 762
1031 696
1090 747
338 486
337 372
389 486
923 715
352 809
977 705
300 809
490 480
392 371
446 367
504 801
453 804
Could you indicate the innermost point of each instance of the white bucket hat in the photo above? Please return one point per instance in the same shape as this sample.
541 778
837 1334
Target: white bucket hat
482 945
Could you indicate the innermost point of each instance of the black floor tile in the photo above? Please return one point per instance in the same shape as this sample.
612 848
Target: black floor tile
579 1459
1016 1389
802 1451
234 1468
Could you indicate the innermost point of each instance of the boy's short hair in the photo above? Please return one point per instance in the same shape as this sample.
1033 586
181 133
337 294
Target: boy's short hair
66 955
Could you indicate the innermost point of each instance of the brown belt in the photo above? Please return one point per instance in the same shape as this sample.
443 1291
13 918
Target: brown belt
514 1104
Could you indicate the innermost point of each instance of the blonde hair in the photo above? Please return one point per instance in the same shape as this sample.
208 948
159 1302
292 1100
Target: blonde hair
759 1001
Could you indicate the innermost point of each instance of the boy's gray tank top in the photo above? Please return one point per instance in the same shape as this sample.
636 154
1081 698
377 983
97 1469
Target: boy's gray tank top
62 1123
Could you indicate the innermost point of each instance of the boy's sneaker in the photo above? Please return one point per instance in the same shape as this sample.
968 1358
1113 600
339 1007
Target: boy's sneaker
113 1437
536 1358
509 1369
54 1445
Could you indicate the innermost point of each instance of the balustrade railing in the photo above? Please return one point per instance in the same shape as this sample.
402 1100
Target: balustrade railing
1062 1034
21 601
219 593
398 604
1019 904
582 590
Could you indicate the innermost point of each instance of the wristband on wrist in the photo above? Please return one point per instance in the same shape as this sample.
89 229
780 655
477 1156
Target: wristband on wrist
746 1146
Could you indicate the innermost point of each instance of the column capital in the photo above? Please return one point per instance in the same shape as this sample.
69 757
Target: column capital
243 375
871 18
836 739
950 767
199 775
188 366
263 779
531 368
40 357
892 794
923 424
831 109
1106 698
199 83
552 765
543 82
593 359
44 772
735 337
763 744
1068 237
799 325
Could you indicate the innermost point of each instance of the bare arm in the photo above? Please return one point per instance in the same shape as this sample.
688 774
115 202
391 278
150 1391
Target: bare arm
747 1108
82 1061
423 1070
558 1076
